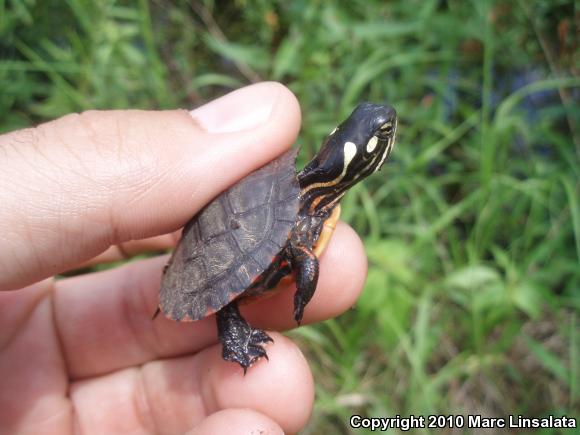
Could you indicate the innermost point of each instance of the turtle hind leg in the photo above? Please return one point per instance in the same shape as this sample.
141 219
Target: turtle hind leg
241 343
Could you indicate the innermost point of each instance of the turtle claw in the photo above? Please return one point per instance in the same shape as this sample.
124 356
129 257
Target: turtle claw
299 305
241 343
247 348
298 312
261 337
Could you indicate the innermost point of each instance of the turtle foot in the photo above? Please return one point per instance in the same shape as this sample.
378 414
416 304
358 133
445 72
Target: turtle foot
246 349
241 343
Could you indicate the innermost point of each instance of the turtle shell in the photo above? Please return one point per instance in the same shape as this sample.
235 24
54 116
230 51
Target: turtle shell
227 246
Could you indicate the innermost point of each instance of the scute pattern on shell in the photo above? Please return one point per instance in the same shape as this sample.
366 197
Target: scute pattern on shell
231 241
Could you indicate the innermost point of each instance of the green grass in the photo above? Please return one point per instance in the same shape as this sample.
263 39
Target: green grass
472 231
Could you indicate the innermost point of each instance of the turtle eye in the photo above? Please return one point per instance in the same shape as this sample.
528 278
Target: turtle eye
387 129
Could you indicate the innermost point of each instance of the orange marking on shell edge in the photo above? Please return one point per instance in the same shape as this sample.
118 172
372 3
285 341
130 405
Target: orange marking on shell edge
257 279
209 312
327 230
186 318
169 316
166 315
232 296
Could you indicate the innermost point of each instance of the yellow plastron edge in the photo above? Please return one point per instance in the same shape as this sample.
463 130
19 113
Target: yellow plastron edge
327 230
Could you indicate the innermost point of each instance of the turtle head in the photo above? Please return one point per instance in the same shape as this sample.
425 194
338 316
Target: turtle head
355 149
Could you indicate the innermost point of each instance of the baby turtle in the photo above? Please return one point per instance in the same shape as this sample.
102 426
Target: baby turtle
270 224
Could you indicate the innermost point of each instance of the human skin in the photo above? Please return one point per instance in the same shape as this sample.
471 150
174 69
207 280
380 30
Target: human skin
81 354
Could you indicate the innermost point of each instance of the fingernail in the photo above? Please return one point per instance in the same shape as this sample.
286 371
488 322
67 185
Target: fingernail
244 109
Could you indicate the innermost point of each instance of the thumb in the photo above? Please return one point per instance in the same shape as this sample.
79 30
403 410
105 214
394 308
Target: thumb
72 187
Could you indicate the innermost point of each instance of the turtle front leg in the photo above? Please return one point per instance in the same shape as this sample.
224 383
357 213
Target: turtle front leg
241 343
306 265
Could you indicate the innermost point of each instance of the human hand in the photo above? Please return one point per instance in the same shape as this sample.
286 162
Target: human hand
82 354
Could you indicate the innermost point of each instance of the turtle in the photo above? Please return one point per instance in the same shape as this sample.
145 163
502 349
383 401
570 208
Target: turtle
271 224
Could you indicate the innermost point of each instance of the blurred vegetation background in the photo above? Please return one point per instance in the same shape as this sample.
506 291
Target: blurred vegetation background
472 230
